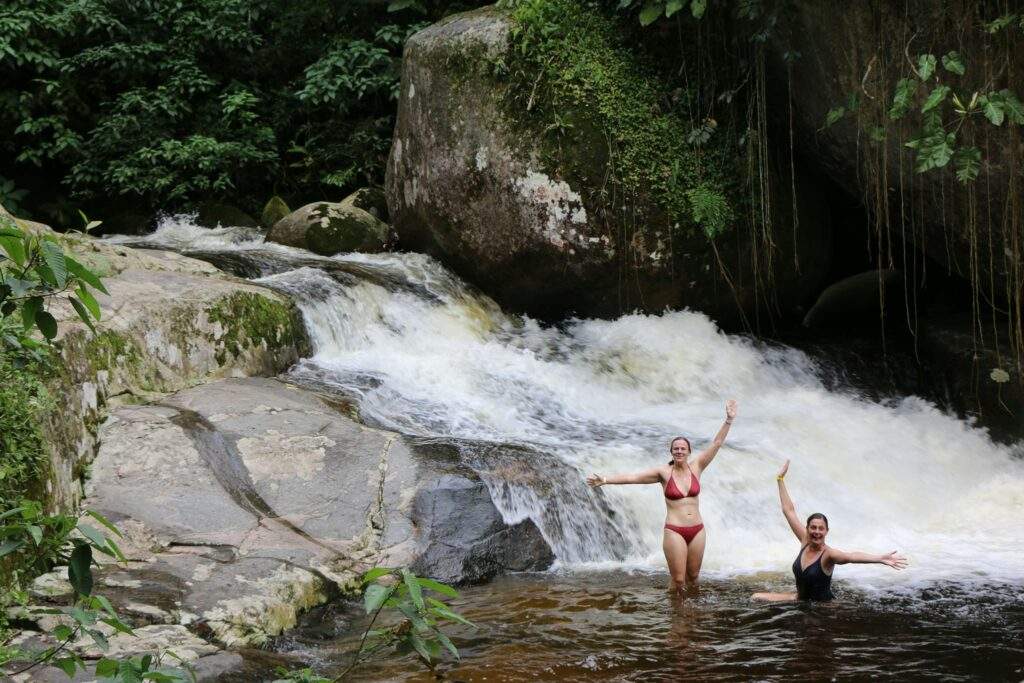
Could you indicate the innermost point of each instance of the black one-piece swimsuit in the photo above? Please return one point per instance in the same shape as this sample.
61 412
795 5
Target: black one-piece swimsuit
812 583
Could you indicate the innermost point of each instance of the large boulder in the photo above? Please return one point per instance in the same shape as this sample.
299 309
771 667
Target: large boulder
213 214
535 224
254 500
329 228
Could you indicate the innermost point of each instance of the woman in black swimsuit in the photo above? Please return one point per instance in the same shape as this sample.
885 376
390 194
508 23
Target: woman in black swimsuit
813 566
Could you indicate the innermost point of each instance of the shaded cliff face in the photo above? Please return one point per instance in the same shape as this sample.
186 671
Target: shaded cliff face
606 215
863 50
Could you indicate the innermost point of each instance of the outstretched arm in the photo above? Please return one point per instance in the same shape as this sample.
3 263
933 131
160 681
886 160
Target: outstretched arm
788 509
706 456
651 476
889 559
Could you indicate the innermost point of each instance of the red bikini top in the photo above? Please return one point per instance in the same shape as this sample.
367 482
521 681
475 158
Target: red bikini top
672 491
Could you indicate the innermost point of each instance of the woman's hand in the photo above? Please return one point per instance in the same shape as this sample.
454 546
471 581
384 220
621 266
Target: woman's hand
782 472
730 410
596 480
895 561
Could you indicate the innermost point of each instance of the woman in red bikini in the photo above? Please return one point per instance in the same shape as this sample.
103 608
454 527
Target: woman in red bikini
684 531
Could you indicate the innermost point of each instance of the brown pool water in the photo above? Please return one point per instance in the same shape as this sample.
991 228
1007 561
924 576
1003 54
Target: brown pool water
598 626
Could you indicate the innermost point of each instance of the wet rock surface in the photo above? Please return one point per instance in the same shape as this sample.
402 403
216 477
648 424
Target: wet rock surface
245 502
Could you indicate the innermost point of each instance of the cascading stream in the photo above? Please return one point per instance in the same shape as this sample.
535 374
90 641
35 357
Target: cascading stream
537 408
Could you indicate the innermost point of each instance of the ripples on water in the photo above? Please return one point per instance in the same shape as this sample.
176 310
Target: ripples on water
586 626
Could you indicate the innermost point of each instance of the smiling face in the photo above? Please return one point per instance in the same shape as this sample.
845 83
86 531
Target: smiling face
817 528
680 449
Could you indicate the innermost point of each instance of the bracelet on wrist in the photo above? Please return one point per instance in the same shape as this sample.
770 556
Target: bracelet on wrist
780 478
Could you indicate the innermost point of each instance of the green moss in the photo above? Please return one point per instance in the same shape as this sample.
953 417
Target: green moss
24 402
251 319
109 349
573 83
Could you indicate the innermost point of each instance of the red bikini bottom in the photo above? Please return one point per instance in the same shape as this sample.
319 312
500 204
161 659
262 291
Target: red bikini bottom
687 532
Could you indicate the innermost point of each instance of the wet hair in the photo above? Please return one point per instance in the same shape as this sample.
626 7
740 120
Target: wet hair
818 515
673 441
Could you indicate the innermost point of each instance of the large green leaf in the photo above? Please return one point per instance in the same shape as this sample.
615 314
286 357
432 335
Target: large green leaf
968 163
953 63
903 97
84 274
29 309
834 115
80 570
650 12
925 66
992 107
673 6
376 573
437 587
419 645
14 248
414 588
1013 106
698 7
935 98
375 596
47 324
83 314
8 547
53 255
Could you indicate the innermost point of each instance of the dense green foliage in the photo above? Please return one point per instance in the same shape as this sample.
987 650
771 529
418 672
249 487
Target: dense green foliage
158 104
34 269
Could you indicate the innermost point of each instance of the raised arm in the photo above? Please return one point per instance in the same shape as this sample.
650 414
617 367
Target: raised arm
890 559
788 509
651 476
706 456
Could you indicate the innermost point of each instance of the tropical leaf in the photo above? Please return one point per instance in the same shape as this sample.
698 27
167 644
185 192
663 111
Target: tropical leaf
698 7
79 569
53 255
84 274
935 98
953 63
903 97
925 66
650 12
992 107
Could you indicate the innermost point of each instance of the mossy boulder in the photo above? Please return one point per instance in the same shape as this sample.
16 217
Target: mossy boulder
329 228
212 214
370 199
274 210
169 322
584 197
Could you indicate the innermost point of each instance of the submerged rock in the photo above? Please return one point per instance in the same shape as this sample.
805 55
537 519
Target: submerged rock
329 228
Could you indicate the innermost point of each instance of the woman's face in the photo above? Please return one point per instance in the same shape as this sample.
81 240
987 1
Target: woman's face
680 450
816 531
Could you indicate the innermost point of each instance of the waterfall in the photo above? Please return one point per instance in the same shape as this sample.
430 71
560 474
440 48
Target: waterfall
537 408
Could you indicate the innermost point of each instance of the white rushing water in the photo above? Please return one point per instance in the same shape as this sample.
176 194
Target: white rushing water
427 356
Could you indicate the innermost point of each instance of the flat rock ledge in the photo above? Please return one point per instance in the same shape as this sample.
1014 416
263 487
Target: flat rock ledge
246 501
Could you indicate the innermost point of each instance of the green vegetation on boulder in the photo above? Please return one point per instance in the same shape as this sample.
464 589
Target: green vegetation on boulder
24 400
